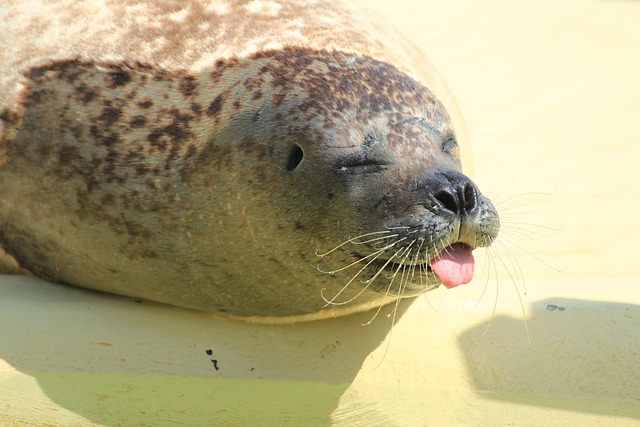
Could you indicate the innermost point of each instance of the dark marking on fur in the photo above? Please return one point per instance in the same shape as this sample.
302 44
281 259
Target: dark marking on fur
110 114
188 86
9 117
119 77
85 94
215 106
146 104
196 108
138 121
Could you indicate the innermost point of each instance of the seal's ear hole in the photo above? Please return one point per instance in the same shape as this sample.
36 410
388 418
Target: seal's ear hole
295 157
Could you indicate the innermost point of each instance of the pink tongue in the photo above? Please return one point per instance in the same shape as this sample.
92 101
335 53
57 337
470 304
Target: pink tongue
454 266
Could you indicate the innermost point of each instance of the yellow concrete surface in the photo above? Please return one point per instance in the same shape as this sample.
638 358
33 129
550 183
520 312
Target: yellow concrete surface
548 334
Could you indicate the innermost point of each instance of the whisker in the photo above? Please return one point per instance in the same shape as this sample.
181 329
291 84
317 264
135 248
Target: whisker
515 286
412 273
404 257
393 314
500 203
378 252
487 266
524 228
367 323
368 282
402 266
402 227
403 294
386 294
405 279
515 266
497 294
376 239
351 240
512 243
332 301
425 268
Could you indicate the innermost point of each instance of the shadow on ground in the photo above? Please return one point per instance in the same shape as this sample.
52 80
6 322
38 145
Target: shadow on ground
584 357
115 361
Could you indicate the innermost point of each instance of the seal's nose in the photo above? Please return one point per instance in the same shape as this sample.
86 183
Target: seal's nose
456 193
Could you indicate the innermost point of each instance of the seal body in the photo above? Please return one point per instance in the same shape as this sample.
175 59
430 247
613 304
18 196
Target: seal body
276 159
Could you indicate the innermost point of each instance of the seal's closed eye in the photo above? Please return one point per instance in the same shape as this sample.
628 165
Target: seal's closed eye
355 164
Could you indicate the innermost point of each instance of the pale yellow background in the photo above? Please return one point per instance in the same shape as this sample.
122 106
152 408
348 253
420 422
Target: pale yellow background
551 93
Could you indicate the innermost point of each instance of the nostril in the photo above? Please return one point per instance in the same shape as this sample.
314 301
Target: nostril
456 193
469 197
448 200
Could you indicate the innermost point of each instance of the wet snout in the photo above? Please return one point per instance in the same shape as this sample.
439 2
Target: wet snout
454 194
444 217
452 209
459 219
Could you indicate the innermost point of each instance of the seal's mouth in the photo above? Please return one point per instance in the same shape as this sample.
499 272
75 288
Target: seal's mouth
453 266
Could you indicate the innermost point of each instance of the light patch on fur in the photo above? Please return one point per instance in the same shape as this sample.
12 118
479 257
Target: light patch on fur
219 8
264 7
179 16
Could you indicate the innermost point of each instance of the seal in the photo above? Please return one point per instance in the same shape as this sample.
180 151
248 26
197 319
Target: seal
277 160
